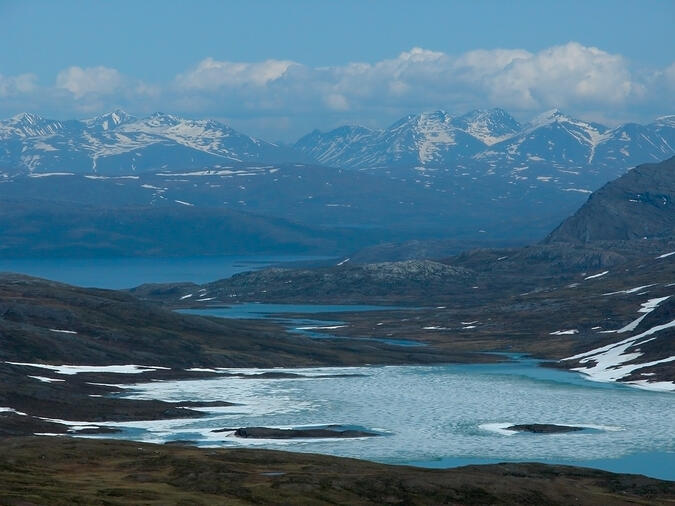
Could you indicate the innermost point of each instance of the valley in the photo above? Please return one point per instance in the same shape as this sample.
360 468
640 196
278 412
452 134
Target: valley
301 350
337 253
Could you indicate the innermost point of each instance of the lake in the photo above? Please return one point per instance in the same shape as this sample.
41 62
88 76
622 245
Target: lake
433 416
313 328
119 273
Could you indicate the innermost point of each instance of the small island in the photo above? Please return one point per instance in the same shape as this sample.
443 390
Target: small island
544 428
273 433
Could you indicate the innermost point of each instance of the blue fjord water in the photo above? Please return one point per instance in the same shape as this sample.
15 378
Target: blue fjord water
124 272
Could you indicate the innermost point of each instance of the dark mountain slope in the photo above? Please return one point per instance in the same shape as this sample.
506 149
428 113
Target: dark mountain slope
45 321
637 205
37 228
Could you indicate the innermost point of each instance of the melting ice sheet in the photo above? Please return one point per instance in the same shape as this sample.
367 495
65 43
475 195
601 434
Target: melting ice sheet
427 413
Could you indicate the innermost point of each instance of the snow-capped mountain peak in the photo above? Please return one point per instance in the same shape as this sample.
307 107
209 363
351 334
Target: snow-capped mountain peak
28 125
479 142
666 121
110 120
547 117
160 119
489 125
433 132
118 143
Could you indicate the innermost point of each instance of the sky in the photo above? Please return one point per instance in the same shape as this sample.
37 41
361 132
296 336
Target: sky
279 69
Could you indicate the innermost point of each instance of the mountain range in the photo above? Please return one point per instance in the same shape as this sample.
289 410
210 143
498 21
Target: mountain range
480 177
118 143
493 137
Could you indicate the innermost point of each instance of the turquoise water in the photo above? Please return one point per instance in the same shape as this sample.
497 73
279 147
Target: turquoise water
119 273
302 326
256 310
434 416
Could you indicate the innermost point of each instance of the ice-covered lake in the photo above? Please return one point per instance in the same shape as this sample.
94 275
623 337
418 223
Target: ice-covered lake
440 416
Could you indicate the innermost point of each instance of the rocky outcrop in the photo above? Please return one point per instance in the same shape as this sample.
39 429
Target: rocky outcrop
544 428
274 433
406 278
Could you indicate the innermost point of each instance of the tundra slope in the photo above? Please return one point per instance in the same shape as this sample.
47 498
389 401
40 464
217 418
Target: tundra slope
597 303
137 473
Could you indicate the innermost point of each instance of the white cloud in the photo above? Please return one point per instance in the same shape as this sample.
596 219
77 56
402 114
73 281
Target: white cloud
336 102
562 76
566 75
91 80
582 80
16 85
210 74
669 76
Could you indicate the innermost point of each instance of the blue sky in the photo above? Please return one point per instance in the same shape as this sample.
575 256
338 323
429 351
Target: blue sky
278 69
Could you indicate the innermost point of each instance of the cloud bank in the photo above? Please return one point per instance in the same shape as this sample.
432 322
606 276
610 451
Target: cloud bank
281 95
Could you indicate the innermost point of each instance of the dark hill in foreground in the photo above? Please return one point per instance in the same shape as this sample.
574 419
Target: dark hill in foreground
59 471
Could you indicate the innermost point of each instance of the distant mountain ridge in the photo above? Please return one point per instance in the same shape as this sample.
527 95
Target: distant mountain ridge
494 139
117 143
481 177
480 141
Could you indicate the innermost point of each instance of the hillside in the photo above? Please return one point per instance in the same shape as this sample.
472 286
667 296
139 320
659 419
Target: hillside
42 228
137 473
638 205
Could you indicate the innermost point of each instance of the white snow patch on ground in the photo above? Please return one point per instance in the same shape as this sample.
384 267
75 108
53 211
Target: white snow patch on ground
186 296
564 332
646 308
51 174
665 255
44 379
599 275
631 290
329 327
76 369
63 331
580 190
112 177
184 203
608 360
11 410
